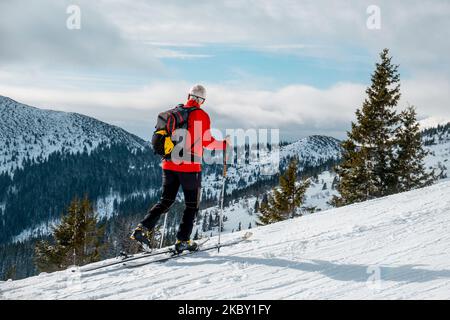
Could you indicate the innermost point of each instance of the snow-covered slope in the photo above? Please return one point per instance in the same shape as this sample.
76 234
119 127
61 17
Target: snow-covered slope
389 248
28 132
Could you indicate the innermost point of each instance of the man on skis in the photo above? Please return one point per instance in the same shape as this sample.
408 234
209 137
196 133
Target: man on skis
186 173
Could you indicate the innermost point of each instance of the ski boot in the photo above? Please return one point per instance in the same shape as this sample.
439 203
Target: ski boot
140 235
189 245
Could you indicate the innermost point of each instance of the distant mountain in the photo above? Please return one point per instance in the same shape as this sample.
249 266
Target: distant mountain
433 122
313 152
29 133
246 182
49 157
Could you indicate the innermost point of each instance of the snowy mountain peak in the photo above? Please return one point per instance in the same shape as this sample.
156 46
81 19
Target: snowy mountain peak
314 148
4 101
32 133
432 122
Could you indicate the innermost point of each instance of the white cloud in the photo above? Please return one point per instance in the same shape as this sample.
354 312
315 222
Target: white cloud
116 34
34 35
296 109
416 32
430 96
176 54
174 44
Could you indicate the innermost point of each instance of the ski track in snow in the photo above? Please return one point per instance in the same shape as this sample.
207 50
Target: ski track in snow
326 255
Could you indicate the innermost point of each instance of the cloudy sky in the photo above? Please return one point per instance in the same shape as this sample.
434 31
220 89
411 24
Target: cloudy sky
298 65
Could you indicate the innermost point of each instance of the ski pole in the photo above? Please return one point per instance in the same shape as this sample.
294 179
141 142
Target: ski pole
164 231
224 178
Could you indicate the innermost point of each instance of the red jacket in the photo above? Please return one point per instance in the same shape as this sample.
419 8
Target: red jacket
199 141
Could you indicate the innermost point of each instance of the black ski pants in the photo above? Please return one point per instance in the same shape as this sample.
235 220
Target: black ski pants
191 184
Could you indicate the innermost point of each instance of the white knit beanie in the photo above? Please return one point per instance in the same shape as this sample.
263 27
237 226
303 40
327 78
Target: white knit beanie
198 91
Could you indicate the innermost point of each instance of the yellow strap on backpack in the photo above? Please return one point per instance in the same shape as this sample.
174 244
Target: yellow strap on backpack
168 143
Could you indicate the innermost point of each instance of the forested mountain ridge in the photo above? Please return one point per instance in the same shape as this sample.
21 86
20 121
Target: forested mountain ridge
29 133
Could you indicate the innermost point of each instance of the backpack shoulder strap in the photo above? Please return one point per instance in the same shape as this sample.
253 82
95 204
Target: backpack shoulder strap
187 110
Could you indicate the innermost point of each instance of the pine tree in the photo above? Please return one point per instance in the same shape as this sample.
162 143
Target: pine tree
267 214
367 171
409 164
77 240
10 273
286 198
265 200
205 226
256 206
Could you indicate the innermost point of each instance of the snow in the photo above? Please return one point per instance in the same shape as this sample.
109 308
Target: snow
239 211
318 197
104 206
389 248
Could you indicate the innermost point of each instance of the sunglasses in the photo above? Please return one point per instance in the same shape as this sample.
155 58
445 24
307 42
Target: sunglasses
202 100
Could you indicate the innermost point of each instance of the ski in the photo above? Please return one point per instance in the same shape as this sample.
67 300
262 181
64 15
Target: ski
184 254
134 258
128 258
